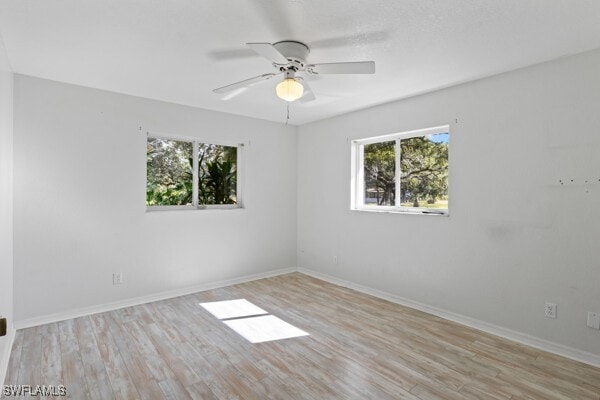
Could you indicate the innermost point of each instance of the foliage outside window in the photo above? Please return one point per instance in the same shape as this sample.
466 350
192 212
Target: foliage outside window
189 174
405 172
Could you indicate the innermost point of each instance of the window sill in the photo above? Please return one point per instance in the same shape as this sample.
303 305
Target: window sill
193 208
401 211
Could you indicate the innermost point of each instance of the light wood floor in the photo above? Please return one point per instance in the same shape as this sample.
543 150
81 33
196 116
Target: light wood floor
359 347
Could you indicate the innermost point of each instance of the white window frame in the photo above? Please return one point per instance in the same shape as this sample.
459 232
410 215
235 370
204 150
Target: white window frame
195 142
357 201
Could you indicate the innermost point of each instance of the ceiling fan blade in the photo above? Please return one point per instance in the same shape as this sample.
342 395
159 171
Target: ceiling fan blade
243 84
361 67
309 95
233 93
268 51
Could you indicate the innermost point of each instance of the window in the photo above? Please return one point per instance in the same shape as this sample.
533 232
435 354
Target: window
403 172
182 174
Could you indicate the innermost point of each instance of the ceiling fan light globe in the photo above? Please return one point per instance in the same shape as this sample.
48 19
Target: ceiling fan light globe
289 89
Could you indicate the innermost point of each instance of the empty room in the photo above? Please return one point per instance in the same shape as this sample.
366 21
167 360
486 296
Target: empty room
300 199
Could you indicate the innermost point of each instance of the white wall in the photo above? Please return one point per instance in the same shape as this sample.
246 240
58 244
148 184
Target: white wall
6 203
80 214
515 237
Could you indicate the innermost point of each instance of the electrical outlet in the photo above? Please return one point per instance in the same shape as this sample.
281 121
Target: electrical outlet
117 278
550 310
593 320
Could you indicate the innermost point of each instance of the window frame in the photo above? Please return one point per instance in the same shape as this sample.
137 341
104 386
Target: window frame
195 142
357 182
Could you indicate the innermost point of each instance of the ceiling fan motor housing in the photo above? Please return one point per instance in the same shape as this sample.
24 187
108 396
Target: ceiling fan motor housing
295 52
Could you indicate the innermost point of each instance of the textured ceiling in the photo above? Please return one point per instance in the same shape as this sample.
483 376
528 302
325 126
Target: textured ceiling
180 50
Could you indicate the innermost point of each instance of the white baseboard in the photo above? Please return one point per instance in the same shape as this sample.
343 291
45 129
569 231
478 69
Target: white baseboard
4 358
81 312
541 344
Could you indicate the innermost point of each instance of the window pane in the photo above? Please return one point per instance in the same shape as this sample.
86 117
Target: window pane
424 171
380 168
217 174
169 172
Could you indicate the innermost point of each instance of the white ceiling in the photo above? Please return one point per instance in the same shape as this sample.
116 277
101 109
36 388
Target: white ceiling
179 50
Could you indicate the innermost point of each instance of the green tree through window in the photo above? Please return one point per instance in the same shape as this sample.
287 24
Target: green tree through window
171 170
380 171
217 174
405 170
424 172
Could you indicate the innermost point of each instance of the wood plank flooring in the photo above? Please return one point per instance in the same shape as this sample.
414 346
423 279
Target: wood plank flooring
359 347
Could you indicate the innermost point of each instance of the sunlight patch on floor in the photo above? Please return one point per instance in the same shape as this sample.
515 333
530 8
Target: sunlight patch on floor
232 309
250 321
264 329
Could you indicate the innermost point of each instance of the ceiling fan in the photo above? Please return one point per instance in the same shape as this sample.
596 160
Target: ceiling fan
289 57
